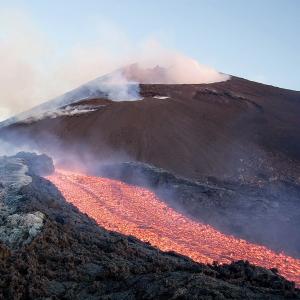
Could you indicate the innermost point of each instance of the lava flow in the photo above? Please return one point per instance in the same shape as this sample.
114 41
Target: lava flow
139 212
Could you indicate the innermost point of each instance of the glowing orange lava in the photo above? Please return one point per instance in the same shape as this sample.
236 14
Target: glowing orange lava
137 211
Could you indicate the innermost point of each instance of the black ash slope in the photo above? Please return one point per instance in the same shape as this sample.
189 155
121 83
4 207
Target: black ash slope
235 129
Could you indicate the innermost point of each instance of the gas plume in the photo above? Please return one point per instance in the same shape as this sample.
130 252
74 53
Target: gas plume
34 70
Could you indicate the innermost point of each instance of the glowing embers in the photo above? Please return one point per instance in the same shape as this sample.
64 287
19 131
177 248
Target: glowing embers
136 211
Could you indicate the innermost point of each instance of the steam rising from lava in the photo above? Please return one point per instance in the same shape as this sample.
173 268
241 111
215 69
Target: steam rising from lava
137 211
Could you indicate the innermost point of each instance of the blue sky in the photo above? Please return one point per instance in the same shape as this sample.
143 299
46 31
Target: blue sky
259 40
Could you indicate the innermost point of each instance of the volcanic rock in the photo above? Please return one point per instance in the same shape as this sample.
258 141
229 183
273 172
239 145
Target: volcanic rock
80 260
18 228
38 164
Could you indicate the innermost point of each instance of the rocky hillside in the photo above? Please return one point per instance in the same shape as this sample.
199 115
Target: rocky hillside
235 129
49 250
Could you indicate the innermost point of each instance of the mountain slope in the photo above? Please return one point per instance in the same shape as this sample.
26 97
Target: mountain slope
235 129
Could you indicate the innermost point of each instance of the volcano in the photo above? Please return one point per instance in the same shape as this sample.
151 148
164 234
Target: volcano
235 135
220 159
233 129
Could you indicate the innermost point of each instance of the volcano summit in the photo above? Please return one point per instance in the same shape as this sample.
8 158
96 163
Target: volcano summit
233 129
219 159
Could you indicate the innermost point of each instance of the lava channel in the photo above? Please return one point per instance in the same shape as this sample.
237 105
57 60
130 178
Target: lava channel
136 211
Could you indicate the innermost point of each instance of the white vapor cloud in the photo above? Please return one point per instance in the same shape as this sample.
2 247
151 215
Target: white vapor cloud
33 69
178 67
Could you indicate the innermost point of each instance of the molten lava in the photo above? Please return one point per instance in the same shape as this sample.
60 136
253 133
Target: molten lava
139 212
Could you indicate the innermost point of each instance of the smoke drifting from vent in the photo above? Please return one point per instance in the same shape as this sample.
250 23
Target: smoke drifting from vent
182 70
117 87
33 69
158 65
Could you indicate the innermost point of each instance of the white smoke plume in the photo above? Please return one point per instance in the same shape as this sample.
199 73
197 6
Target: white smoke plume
33 70
117 86
157 64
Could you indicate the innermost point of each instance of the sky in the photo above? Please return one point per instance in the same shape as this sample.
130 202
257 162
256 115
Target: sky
257 40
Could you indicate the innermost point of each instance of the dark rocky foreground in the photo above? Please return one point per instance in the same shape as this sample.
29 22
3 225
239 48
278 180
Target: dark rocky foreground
56 252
